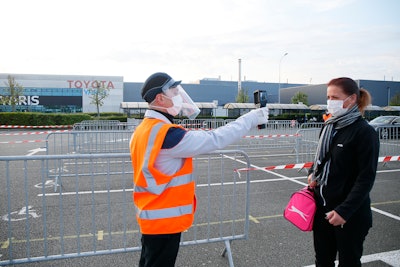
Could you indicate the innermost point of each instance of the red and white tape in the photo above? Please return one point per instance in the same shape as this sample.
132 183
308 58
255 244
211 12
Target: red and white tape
23 142
33 133
198 129
251 136
309 164
279 167
389 158
270 136
34 127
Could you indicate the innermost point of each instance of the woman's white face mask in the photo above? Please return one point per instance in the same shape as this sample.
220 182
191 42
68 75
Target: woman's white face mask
335 107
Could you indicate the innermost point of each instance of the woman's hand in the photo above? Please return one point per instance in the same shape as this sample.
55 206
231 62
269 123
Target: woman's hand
334 218
311 183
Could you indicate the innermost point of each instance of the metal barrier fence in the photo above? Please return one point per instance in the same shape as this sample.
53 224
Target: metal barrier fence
116 141
296 143
76 201
306 144
92 213
308 125
282 125
279 140
202 123
215 123
299 145
389 140
86 142
307 141
102 125
271 144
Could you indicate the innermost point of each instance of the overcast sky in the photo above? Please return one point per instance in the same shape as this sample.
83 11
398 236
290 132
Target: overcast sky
192 40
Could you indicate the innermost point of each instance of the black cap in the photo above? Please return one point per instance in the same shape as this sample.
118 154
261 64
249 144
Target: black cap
154 85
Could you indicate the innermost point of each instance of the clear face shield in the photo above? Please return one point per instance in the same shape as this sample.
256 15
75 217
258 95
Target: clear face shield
182 103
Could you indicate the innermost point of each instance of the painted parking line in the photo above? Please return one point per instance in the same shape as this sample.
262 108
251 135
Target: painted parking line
100 235
282 178
253 219
390 257
386 213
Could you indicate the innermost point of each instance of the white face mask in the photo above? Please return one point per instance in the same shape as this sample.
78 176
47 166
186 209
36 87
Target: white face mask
177 107
335 107
181 103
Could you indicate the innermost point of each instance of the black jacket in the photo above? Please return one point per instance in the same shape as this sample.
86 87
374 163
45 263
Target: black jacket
354 160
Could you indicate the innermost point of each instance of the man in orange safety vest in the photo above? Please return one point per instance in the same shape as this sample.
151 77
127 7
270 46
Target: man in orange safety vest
161 153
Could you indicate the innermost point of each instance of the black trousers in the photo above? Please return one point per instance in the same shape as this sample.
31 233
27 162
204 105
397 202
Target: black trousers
159 250
347 241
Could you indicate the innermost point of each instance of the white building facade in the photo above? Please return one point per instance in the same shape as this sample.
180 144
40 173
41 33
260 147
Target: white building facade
62 93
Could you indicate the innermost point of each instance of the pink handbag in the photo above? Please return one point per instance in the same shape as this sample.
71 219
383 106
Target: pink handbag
301 208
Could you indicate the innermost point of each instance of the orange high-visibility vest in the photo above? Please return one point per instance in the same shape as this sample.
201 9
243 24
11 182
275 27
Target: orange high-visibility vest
325 116
165 204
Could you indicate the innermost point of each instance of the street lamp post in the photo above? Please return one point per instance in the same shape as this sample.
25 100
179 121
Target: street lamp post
279 84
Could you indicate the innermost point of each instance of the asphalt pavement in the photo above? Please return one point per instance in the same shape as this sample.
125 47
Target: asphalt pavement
272 241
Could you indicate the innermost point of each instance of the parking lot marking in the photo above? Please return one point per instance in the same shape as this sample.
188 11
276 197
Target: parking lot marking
57 238
6 243
270 216
73 193
385 202
36 150
100 235
389 257
386 213
253 219
282 177
394 170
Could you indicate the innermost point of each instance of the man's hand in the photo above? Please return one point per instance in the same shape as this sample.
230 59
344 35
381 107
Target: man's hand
262 115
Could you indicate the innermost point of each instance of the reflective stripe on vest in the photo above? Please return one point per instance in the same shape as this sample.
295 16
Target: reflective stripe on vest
151 182
165 213
152 186
158 189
